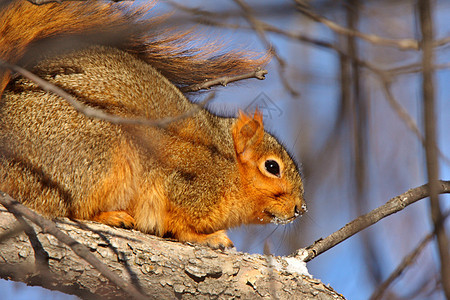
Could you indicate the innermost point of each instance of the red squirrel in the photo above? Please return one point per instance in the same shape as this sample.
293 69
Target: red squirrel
190 181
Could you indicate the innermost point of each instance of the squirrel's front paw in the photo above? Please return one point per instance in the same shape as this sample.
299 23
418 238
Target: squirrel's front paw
115 218
218 240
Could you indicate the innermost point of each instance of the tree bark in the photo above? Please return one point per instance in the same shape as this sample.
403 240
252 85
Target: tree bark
159 268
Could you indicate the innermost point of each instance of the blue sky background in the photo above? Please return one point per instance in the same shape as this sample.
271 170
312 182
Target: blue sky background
395 158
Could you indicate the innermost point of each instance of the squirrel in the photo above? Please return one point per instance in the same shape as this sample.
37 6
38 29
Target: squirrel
190 180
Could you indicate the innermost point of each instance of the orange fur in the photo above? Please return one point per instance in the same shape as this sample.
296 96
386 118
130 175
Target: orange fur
182 226
192 180
116 190
149 207
115 218
120 25
248 135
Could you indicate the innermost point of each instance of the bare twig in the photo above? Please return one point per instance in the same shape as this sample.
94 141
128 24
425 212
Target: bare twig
358 111
441 42
426 26
210 18
384 76
256 25
81 250
394 205
258 74
402 44
405 263
189 113
414 68
398 108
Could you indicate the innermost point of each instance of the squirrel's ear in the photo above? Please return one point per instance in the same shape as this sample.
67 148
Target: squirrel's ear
248 132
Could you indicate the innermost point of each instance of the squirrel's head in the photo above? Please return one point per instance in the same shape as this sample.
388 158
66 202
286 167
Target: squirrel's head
270 180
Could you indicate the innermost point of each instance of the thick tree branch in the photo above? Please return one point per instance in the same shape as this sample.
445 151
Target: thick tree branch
161 268
82 251
394 205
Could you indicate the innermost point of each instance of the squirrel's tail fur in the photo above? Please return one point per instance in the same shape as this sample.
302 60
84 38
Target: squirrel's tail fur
27 29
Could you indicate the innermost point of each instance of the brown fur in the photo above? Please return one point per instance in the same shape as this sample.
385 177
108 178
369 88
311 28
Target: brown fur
190 181
119 25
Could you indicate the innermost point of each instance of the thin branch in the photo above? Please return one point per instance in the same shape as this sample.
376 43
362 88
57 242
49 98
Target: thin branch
258 74
256 25
426 25
88 111
81 250
414 68
211 19
398 108
41 2
405 116
385 76
358 110
402 44
394 205
441 42
189 113
405 263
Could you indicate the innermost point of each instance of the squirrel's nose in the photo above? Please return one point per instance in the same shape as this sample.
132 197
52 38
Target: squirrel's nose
301 210
296 211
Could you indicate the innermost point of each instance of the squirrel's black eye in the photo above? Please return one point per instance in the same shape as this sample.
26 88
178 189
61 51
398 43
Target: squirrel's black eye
272 167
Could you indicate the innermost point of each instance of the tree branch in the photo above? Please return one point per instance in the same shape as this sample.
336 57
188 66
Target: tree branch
402 44
394 205
161 268
258 74
82 251
405 263
258 28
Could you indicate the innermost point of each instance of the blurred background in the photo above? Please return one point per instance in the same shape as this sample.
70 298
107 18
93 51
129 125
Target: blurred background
349 108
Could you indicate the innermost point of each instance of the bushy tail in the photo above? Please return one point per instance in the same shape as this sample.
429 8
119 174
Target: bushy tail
27 30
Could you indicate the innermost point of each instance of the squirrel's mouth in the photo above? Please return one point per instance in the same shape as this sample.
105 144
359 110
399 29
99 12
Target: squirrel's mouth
280 220
276 219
